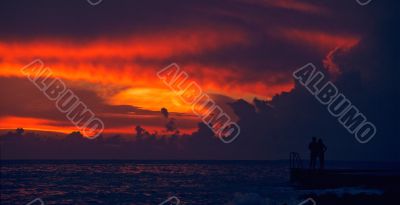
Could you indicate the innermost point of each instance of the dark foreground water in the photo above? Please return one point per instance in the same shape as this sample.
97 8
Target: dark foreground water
149 182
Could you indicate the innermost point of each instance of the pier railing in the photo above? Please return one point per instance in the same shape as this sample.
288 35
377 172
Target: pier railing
295 161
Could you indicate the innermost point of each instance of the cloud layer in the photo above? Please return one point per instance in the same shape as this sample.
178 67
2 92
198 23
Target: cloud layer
235 50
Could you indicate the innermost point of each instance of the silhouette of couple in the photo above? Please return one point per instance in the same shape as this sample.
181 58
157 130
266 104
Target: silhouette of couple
317 150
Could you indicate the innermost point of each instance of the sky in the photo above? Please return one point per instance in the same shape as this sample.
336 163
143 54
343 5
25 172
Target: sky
242 53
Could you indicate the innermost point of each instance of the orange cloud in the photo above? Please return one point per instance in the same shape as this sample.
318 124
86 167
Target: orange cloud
105 64
34 124
113 62
151 46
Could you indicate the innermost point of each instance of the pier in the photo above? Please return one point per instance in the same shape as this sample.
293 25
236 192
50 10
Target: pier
333 178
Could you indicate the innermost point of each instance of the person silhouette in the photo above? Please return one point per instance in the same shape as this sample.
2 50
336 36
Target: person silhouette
313 147
321 153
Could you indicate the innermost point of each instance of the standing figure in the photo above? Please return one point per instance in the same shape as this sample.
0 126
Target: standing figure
313 147
321 153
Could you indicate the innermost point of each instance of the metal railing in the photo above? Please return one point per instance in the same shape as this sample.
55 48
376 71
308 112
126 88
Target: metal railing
295 161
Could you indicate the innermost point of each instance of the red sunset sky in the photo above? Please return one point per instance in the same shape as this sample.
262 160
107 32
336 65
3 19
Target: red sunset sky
115 65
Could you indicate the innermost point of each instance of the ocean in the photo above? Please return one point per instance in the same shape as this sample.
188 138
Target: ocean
151 182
